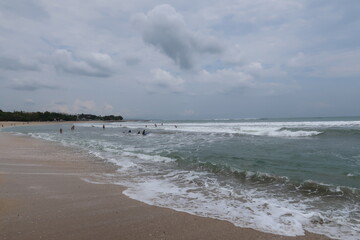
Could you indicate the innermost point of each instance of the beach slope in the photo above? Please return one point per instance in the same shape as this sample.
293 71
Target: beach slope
43 196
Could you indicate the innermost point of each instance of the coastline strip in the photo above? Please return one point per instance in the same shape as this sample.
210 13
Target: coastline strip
42 195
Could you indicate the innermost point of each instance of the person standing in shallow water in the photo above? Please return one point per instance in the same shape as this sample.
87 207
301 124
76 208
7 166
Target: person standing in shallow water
103 126
60 130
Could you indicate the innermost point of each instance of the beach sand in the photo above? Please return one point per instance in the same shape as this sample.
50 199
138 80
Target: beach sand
43 196
13 124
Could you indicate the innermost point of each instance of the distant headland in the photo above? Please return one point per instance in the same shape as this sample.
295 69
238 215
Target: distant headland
46 116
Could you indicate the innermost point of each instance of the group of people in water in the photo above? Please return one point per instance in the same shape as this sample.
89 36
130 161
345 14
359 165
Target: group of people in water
139 132
72 129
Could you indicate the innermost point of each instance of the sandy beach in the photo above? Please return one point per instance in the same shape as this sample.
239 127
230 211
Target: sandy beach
43 195
13 124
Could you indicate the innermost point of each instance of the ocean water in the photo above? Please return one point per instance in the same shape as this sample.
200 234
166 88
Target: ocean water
281 176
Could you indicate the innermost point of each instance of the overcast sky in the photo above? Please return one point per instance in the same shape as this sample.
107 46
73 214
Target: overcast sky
181 59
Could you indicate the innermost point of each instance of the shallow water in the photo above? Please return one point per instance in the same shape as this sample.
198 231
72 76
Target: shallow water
282 176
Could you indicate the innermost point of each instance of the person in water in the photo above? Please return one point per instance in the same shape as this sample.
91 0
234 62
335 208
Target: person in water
143 132
60 130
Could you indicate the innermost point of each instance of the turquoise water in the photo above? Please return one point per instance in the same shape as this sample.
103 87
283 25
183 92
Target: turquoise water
282 176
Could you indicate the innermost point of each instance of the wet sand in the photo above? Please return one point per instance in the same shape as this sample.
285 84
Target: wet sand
43 196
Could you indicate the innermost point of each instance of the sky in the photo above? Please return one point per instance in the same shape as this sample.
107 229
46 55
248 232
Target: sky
181 59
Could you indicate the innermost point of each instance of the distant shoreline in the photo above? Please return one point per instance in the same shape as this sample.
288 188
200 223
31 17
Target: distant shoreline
30 123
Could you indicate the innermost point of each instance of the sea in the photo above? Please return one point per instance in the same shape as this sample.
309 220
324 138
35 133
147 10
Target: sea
282 176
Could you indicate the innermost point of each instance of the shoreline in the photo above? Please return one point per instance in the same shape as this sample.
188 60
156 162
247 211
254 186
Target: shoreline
43 194
4 124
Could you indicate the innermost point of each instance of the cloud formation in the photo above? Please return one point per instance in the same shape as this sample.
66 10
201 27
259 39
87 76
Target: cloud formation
224 80
30 9
187 55
165 80
84 106
32 85
165 29
78 106
17 64
91 65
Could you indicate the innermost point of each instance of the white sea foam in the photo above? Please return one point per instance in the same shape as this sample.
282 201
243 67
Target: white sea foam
100 125
353 175
260 130
45 136
200 194
272 129
256 128
151 158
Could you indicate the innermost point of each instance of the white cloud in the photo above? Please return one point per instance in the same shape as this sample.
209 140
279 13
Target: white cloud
90 64
253 67
298 60
59 107
108 107
227 77
29 102
162 79
82 106
78 106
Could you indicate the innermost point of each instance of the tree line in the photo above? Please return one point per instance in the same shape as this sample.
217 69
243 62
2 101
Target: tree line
53 116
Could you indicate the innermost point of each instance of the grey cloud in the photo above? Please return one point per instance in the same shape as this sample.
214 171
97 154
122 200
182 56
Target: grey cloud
60 102
92 65
131 61
14 64
31 85
165 29
25 8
